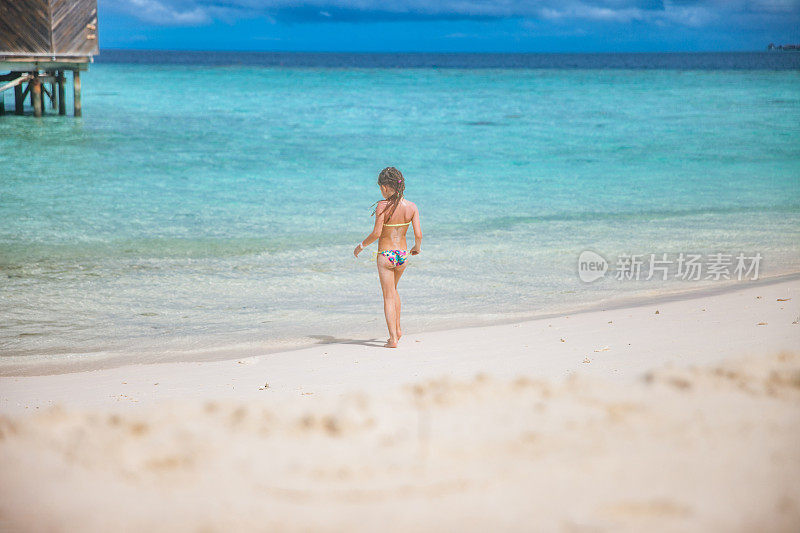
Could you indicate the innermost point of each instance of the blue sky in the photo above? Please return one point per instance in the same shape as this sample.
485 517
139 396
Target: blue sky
449 25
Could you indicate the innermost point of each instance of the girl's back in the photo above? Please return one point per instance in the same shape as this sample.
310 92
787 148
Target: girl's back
395 228
402 214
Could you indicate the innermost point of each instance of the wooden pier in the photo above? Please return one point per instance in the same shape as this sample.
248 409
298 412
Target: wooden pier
40 41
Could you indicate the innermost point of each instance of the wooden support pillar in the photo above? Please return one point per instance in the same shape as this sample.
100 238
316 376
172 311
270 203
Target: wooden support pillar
19 101
62 104
36 97
76 91
53 92
42 95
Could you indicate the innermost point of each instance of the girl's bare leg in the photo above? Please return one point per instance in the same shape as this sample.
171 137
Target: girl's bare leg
390 297
398 271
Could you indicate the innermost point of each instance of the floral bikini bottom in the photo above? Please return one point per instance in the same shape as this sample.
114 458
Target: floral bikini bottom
395 257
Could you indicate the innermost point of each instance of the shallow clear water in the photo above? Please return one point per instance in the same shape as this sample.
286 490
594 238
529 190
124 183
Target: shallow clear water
198 206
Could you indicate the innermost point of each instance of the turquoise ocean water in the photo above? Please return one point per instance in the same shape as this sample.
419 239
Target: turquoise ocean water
201 206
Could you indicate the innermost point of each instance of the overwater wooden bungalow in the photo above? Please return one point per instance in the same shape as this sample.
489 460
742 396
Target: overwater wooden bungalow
40 40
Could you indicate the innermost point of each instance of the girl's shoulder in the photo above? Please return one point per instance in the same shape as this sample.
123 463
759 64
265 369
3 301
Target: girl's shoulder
380 207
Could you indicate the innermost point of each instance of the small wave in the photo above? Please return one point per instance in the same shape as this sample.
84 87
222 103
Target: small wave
588 216
14 254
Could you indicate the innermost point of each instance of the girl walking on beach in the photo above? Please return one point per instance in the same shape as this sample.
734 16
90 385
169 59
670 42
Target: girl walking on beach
393 215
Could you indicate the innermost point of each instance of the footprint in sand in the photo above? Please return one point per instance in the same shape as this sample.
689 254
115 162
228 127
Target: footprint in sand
648 509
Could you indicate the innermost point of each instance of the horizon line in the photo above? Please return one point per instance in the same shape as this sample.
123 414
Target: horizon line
443 52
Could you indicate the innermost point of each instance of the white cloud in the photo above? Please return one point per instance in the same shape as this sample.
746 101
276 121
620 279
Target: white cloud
160 12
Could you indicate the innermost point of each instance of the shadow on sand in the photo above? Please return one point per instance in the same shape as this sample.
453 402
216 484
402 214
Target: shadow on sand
329 339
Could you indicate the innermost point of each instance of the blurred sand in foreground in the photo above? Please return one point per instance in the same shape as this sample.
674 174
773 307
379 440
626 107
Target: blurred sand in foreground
703 449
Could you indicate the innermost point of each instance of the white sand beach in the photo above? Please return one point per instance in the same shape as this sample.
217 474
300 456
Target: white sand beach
674 415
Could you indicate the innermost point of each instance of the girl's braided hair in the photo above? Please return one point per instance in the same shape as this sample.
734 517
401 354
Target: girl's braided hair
392 178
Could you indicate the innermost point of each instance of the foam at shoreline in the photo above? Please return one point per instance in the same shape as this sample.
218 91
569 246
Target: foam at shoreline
80 362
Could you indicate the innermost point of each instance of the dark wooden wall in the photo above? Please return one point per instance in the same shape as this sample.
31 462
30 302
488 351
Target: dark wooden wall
48 27
74 26
24 26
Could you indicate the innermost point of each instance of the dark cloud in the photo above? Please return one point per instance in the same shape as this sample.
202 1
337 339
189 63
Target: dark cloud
695 13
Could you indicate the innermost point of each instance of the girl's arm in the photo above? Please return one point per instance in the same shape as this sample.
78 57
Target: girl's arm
376 231
417 225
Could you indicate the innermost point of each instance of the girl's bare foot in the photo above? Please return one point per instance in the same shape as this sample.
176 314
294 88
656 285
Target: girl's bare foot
391 343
